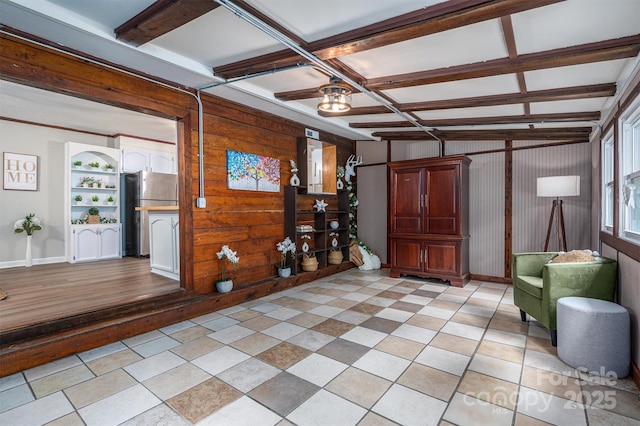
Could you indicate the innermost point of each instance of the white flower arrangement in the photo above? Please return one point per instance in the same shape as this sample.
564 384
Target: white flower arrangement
29 224
284 247
340 172
227 253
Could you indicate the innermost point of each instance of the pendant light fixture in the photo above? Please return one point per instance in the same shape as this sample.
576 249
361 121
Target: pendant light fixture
335 96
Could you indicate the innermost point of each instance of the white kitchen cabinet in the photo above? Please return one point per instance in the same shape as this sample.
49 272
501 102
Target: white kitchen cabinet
138 155
95 242
164 243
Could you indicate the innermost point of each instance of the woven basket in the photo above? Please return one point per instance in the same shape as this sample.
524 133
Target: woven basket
93 219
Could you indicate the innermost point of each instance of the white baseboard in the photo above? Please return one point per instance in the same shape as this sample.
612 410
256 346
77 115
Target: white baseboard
20 263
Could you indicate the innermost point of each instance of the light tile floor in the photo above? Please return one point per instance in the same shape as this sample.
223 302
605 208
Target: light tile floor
356 348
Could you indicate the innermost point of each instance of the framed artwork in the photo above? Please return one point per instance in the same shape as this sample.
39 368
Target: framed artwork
252 172
20 172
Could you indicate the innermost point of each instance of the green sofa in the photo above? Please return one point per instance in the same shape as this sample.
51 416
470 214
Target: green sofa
538 284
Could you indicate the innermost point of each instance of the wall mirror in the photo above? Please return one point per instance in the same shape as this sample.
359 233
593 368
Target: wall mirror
317 166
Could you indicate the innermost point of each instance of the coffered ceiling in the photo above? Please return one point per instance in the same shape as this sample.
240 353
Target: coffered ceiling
421 69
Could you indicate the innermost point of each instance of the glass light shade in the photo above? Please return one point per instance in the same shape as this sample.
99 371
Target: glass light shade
558 186
336 97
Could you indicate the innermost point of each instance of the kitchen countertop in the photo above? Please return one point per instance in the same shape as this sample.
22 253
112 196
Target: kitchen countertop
158 208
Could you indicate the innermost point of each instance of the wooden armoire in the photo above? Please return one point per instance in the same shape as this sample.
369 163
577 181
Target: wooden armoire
429 218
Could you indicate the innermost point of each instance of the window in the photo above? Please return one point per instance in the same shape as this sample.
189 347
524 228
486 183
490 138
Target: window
607 183
630 172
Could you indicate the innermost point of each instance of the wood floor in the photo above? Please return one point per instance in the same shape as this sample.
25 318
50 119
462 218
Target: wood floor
44 293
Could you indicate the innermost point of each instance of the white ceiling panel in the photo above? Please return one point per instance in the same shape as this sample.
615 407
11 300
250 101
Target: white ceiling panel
372 118
207 39
594 104
456 89
110 14
488 111
575 75
575 22
314 20
474 43
292 79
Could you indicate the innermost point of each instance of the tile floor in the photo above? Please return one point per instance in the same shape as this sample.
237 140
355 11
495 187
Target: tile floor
356 348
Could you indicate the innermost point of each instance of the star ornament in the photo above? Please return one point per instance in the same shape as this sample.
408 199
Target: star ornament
320 205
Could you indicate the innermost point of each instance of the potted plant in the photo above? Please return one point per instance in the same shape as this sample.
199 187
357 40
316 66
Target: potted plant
29 224
93 216
108 167
77 164
284 247
78 198
225 284
110 200
97 183
94 165
95 199
86 181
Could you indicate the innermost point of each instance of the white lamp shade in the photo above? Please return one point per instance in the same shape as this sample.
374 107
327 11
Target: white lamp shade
559 186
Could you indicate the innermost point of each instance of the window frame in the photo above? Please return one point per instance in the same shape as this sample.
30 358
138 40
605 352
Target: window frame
608 182
629 168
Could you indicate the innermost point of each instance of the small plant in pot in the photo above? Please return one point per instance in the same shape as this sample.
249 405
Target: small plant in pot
110 200
77 164
225 284
93 216
108 167
94 165
284 247
78 198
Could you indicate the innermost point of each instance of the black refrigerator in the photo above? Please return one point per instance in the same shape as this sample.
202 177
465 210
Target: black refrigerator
143 189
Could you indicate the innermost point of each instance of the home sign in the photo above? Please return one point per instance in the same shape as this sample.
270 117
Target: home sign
20 172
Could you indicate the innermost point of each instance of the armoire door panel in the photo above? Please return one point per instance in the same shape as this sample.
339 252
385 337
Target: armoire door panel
406 201
441 225
406 254
442 257
441 205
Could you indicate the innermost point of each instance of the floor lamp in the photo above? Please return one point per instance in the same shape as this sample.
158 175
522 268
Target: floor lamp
558 186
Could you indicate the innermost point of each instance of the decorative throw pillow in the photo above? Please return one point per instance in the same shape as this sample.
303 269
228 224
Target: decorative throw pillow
575 256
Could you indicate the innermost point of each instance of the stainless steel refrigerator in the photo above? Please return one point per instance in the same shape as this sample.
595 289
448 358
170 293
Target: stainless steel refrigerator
143 189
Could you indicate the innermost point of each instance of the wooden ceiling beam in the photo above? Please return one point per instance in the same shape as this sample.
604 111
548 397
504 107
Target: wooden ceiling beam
620 48
160 18
434 19
480 121
572 133
550 95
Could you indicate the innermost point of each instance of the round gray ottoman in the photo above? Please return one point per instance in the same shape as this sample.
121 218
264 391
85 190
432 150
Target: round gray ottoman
593 336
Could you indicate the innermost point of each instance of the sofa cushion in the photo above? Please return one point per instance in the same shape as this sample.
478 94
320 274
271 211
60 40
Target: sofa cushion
531 285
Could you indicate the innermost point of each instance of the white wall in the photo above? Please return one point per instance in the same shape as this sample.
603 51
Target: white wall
48 202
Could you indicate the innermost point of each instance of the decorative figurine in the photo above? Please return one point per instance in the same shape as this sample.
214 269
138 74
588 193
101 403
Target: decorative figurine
295 180
340 175
320 205
350 167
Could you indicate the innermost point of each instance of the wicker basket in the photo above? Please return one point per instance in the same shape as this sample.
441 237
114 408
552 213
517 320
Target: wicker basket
93 218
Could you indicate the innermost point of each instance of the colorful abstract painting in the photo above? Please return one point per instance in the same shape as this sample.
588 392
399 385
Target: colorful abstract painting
251 172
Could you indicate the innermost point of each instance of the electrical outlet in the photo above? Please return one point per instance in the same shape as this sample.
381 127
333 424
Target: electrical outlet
201 203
